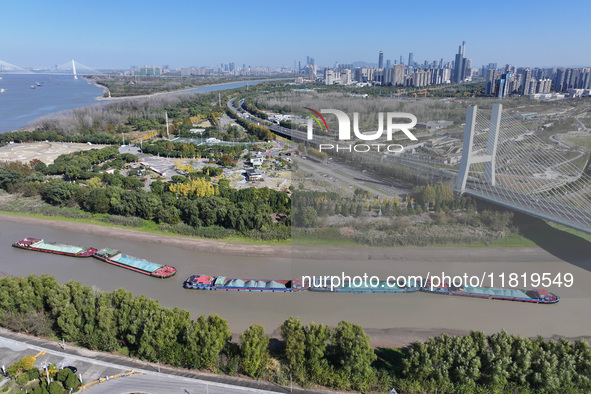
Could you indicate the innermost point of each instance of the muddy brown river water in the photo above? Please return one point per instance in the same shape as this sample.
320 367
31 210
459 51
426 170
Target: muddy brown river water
570 317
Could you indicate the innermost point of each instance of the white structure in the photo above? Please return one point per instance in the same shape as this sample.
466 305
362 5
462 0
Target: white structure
74 69
491 147
256 161
346 77
329 78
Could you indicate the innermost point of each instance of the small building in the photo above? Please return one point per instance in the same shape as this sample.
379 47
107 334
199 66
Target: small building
256 161
197 131
253 175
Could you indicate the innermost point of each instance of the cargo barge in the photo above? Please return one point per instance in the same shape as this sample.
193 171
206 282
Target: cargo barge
534 296
207 282
115 257
381 287
38 245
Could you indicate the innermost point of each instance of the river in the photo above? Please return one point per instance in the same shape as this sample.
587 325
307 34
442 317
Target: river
20 104
570 317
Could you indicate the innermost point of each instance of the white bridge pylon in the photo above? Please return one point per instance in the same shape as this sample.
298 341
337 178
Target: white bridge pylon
468 158
74 67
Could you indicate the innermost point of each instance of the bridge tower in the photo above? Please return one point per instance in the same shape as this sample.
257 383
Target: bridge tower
468 158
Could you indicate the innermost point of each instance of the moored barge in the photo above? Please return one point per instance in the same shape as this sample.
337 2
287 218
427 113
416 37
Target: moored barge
115 257
39 245
207 282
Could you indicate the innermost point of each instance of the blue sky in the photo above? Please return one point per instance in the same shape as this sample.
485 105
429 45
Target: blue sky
122 33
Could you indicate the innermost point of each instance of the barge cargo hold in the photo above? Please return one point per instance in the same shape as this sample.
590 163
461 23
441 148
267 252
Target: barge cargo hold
113 256
534 296
39 245
206 282
381 287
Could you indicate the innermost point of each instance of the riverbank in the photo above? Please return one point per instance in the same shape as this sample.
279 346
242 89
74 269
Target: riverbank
102 98
188 243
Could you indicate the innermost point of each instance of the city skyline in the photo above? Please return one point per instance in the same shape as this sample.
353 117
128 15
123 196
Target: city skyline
119 35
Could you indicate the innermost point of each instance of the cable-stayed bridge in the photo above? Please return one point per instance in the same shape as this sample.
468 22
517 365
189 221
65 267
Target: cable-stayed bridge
7 67
71 67
505 163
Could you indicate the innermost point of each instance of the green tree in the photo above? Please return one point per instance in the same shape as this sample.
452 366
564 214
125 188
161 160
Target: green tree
353 354
97 201
294 343
254 350
428 195
206 339
317 336
59 192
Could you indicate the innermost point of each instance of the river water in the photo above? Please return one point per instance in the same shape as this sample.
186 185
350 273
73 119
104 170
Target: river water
20 104
570 317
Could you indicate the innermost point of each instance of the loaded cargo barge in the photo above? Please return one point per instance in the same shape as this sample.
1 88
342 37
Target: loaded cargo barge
381 287
534 296
206 282
38 245
113 256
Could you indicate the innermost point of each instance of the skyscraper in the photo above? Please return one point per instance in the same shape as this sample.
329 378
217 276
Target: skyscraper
459 65
381 60
410 61
401 61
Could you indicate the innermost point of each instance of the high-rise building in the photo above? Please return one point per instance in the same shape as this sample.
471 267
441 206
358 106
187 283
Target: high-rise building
491 76
346 76
459 65
526 82
502 85
410 61
559 81
388 63
468 69
146 71
401 61
328 76
381 60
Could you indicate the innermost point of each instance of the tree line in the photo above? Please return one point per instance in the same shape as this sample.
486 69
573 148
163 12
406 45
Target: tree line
339 357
